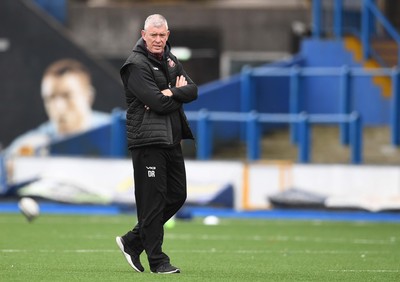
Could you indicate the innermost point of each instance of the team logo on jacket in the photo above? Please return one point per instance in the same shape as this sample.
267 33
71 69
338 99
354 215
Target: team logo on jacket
171 63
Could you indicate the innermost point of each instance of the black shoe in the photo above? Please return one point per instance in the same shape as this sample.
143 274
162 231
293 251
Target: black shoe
131 258
166 268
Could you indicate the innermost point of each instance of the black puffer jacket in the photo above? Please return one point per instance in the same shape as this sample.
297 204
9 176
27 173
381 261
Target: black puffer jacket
144 77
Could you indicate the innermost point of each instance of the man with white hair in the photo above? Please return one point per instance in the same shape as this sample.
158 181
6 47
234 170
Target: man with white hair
156 86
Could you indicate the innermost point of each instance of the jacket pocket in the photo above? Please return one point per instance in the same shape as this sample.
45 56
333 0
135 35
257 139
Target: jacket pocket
153 125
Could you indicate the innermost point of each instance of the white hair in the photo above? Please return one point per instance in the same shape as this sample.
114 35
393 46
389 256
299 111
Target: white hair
156 20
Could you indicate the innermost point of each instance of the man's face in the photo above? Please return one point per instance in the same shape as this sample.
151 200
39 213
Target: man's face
156 38
67 101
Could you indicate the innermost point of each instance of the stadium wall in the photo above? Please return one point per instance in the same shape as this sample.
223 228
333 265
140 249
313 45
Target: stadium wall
248 185
238 25
368 187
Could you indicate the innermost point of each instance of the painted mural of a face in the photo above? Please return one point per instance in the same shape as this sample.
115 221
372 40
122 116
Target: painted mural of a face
68 96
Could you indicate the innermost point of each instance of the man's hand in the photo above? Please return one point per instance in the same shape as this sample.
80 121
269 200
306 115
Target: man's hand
167 92
180 81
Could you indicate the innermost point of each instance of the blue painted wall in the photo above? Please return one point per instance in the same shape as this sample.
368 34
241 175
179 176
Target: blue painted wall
221 95
322 95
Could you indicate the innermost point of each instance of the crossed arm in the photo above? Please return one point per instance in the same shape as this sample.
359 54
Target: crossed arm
141 83
180 81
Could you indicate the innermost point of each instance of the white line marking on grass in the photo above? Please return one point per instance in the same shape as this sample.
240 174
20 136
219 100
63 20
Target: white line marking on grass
282 238
309 252
366 270
213 250
12 251
90 251
336 240
91 237
54 251
175 236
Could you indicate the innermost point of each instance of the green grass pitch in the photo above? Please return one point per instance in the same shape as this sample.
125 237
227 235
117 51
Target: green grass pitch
82 248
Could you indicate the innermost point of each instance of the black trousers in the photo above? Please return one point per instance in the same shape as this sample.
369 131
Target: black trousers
160 191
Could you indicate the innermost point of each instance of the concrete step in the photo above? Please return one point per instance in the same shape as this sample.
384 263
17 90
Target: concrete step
354 45
387 49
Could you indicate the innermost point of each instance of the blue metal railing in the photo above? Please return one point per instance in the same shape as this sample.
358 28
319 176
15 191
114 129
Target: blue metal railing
372 9
252 121
344 75
370 15
317 18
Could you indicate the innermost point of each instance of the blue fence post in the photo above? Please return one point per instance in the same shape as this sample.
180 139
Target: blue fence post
246 96
3 174
253 136
316 18
304 138
356 138
395 124
345 103
372 18
338 18
203 136
365 29
294 101
117 140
